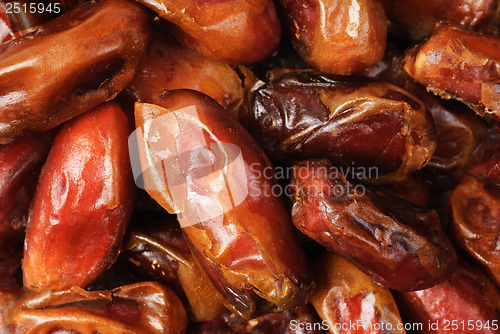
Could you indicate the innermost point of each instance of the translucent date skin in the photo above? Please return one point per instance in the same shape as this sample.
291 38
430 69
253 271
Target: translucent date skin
460 64
157 246
247 247
340 36
396 243
60 71
485 163
415 19
7 299
168 66
467 297
303 115
344 295
233 31
475 222
140 308
83 202
458 129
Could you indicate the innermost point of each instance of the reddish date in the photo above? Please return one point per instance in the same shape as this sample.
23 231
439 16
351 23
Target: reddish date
83 202
393 241
485 163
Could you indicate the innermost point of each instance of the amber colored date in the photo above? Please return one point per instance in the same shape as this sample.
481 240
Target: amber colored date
460 64
157 246
468 302
475 222
238 230
142 308
83 202
59 71
236 31
338 37
393 241
7 299
376 127
345 296
485 163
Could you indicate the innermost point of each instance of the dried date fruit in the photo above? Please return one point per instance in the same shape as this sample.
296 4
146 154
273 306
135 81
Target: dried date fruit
200 163
475 222
141 308
485 163
468 302
391 240
413 189
345 296
236 32
460 64
83 202
372 128
7 299
16 22
338 37
60 71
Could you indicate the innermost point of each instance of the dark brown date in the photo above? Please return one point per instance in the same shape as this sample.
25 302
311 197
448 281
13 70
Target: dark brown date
460 64
233 31
141 308
391 240
339 37
485 163
60 71
345 296
475 222
372 127
413 189
200 163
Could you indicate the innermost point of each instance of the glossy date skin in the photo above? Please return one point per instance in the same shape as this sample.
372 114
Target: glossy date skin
140 308
415 19
58 72
460 64
396 243
485 163
157 246
246 245
468 296
232 31
344 296
339 37
475 222
83 202
353 122
14 25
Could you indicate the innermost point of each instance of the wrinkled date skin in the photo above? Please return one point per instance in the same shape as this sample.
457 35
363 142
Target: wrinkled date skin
344 296
168 66
339 37
460 64
413 189
361 123
7 299
158 247
233 31
467 297
83 202
60 71
415 19
475 222
458 129
485 163
240 233
141 308
393 241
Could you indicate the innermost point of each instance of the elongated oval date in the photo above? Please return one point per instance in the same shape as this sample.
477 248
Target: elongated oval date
460 64
233 31
60 71
391 240
468 302
157 246
83 202
475 222
338 37
200 163
168 66
485 163
345 296
373 128
415 19
140 308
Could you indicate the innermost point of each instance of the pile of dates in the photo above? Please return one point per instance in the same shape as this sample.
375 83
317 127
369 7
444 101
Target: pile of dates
250 166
